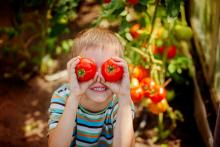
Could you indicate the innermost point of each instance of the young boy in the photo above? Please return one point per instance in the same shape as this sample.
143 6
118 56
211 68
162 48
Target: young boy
95 112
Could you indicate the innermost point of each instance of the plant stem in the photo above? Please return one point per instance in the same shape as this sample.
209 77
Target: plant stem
146 56
182 12
160 123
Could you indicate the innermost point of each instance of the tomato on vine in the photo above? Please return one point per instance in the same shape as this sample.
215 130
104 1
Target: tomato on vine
171 52
183 32
140 72
137 94
134 31
134 82
148 86
159 95
158 49
157 108
106 1
133 2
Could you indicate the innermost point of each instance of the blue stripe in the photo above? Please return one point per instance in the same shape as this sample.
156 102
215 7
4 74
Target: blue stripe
58 100
60 111
82 121
107 136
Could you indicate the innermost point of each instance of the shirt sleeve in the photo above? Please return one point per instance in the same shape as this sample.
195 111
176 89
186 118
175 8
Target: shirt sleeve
56 108
115 109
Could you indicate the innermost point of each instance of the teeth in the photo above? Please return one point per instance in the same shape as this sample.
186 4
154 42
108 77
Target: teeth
99 89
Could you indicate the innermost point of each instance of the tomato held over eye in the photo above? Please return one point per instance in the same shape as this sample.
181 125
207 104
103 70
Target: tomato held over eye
111 71
137 94
85 69
159 95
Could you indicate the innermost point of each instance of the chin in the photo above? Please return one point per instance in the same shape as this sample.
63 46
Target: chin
99 97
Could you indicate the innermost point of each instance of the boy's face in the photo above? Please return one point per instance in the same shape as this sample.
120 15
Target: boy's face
97 91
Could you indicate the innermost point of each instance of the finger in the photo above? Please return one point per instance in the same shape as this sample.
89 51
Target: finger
122 64
74 64
117 58
72 72
72 60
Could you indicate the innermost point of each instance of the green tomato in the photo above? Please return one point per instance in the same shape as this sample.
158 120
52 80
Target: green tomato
170 95
183 32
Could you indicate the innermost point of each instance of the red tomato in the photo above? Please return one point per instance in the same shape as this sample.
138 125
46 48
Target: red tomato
134 30
159 95
171 53
134 82
111 72
140 72
137 94
133 2
85 69
157 108
148 86
158 50
106 1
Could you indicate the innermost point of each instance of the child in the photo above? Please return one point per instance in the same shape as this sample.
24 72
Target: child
95 112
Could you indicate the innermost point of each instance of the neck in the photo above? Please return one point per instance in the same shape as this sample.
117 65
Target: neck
93 106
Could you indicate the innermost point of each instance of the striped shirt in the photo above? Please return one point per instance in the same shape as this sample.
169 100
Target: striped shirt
92 129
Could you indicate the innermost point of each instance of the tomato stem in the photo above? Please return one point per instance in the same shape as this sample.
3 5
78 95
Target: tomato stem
110 68
81 72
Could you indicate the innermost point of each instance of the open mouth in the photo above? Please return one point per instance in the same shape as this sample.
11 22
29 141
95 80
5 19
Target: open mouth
99 89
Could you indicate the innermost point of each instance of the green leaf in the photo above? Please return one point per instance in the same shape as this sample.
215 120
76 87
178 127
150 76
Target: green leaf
172 7
143 2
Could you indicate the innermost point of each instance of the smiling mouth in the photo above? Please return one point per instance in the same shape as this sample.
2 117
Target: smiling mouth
99 89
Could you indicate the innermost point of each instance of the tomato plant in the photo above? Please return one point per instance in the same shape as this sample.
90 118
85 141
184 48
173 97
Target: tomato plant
155 48
85 69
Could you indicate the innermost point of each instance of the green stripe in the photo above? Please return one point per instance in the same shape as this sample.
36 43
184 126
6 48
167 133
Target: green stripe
83 132
92 118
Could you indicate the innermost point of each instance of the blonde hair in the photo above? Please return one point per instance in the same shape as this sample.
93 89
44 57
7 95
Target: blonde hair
97 37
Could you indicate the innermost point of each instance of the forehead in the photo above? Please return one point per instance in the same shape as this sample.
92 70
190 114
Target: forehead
99 53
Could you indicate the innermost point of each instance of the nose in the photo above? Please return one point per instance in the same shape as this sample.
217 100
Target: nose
99 75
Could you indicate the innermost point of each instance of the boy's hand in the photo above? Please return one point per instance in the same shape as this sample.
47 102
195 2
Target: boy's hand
76 88
121 88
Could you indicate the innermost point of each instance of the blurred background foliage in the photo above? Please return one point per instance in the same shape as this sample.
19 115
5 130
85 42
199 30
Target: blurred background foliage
35 36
